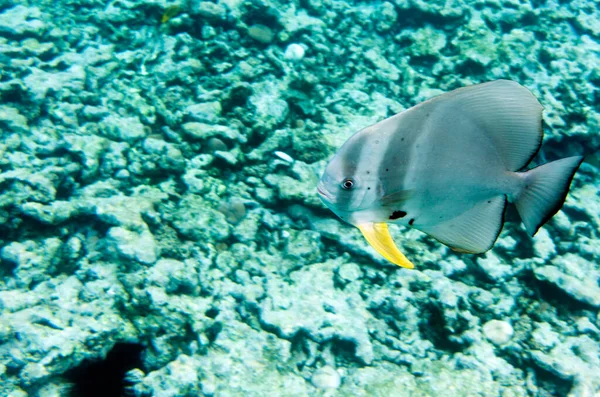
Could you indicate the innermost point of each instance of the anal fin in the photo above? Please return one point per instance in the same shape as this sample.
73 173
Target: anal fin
475 230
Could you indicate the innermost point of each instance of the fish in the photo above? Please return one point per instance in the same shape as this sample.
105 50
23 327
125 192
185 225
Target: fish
448 167
169 13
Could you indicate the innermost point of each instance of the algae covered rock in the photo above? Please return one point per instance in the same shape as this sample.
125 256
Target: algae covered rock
575 276
196 220
21 20
132 245
158 165
323 313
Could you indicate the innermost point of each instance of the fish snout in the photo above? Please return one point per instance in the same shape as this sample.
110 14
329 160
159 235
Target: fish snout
325 195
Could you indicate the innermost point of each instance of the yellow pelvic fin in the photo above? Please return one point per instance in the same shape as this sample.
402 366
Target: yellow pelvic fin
378 236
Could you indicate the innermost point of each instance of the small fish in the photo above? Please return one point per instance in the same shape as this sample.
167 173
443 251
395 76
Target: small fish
170 12
448 167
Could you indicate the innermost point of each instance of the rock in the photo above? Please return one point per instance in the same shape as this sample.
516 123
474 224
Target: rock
174 276
304 245
384 69
323 312
585 290
385 17
21 20
17 392
299 20
296 189
138 246
90 149
261 33
207 131
32 261
35 47
55 213
29 185
230 157
197 221
159 155
269 107
277 139
445 10
211 11
349 272
491 265
588 22
233 209
39 82
216 145
126 129
326 378
246 230
294 52
477 42
208 112
498 332
543 337
576 359
13 119
585 326
543 246
427 42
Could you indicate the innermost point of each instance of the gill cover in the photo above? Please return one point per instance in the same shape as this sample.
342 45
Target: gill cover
378 236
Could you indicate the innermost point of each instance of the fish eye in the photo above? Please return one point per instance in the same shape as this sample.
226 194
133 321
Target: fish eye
347 184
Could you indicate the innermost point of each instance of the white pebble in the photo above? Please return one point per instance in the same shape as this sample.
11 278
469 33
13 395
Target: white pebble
326 378
294 52
122 174
498 332
284 156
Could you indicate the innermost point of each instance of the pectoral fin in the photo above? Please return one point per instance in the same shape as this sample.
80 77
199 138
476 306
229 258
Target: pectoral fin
396 198
378 236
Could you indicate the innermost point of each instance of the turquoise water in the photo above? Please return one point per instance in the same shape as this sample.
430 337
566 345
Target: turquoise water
159 214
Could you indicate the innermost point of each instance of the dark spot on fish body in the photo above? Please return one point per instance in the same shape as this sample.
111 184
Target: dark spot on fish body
402 139
369 188
398 215
412 220
387 170
489 201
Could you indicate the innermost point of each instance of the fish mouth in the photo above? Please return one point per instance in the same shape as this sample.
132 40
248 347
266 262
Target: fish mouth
324 193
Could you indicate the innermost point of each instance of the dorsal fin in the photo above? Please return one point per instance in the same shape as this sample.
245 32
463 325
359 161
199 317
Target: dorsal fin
506 111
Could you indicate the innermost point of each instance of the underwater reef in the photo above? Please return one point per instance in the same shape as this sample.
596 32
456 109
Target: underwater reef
158 167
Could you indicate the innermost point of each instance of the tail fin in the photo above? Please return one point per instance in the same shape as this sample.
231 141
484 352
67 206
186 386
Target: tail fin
545 191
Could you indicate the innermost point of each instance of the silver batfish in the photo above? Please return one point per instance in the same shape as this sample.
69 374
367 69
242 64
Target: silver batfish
448 167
